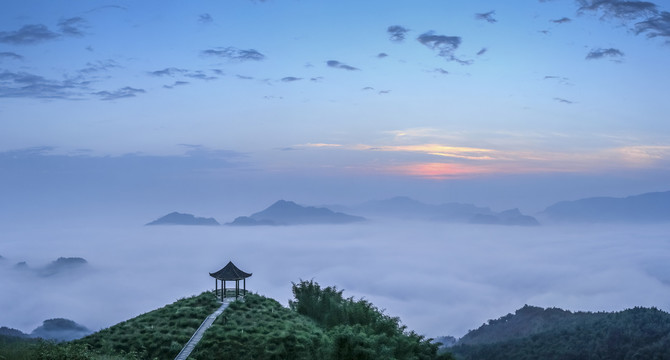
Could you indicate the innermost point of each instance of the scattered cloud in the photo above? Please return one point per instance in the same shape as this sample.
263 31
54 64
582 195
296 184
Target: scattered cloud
205 18
601 53
175 84
564 101
367 88
290 79
482 51
107 7
561 79
382 92
445 45
338 65
244 77
382 55
72 26
171 71
122 93
235 54
441 71
200 75
488 16
99 66
316 79
28 34
626 10
27 85
562 20
397 33
10 55
655 26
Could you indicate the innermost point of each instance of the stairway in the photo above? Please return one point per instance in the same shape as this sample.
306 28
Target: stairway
190 345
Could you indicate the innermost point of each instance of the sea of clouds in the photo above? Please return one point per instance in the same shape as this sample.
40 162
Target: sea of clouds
440 279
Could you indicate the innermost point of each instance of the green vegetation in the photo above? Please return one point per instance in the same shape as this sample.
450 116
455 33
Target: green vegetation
320 324
536 333
157 334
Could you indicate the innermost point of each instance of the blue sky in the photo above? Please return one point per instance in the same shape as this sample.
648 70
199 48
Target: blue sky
434 99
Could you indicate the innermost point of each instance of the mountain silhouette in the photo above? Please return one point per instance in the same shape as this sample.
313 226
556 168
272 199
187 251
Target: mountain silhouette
644 208
285 212
175 218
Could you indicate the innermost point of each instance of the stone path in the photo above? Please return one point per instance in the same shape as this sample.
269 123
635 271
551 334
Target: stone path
190 345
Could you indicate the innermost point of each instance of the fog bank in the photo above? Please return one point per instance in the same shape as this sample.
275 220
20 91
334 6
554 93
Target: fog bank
440 279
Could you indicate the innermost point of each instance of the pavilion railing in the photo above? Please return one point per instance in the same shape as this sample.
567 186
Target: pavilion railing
230 293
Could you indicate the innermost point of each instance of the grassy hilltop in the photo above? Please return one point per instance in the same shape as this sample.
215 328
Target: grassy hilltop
319 324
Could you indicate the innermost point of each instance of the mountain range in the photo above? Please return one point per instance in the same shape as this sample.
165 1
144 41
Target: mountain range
403 207
285 212
644 208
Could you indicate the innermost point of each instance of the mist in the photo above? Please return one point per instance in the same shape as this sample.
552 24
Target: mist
440 279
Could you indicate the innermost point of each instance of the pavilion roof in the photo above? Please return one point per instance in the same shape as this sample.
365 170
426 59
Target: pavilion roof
230 272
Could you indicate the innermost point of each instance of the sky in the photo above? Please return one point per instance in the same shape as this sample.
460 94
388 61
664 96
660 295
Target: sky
517 104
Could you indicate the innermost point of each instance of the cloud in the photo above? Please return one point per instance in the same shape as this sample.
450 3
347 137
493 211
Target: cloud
122 93
396 33
99 66
316 79
205 18
382 55
601 53
171 71
28 34
482 51
488 16
655 26
626 10
107 7
441 71
367 88
445 45
200 75
235 54
244 77
562 20
338 65
175 84
290 79
561 79
382 92
27 85
10 55
564 101
72 26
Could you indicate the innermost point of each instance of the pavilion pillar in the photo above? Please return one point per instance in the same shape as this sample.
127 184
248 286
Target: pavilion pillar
224 290
216 287
245 287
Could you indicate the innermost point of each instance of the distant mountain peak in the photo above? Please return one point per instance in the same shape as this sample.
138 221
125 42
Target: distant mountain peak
284 212
176 218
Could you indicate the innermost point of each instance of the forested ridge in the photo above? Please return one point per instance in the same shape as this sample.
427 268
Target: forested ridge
537 333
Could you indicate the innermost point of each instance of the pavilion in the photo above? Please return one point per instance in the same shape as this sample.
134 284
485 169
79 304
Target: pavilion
230 272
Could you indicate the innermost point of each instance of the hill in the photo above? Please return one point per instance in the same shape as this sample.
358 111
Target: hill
285 212
644 208
175 218
319 324
537 333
